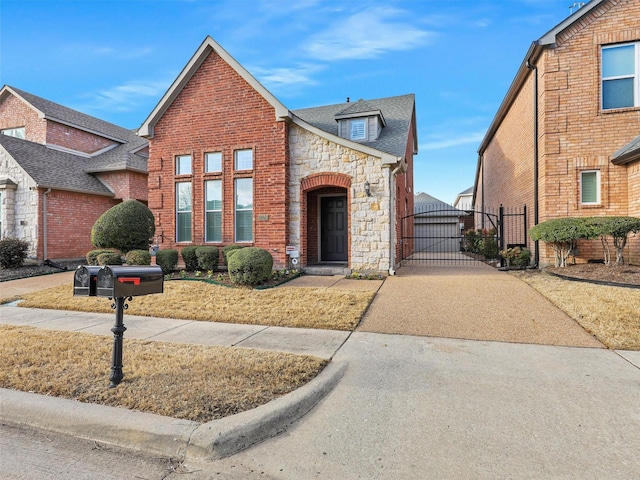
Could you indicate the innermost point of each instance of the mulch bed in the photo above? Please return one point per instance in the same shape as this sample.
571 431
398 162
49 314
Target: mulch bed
27 271
600 273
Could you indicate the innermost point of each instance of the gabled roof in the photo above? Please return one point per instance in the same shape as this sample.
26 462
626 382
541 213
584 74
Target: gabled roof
361 108
427 205
51 168
627 154
67 116
206 48
398 114
320 121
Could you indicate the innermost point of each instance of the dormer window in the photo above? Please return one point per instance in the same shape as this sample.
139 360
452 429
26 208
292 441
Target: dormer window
357 129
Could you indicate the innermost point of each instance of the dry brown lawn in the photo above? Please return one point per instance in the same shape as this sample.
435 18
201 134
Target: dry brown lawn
611 314
323 308
191 382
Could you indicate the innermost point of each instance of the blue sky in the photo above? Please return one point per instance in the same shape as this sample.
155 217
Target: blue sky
115 59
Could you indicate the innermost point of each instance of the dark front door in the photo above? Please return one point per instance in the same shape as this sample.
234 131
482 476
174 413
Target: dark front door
333 229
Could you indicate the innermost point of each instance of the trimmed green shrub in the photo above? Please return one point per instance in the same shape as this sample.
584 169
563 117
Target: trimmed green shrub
562 234
109 258
127 226
190 258
13 252
207 257
92 256
138 257
228 249
167 260
250 266
618 228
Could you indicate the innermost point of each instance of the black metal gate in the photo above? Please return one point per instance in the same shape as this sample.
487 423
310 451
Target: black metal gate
448 236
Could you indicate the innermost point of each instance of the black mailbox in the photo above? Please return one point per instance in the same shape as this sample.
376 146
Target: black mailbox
84 280
129 281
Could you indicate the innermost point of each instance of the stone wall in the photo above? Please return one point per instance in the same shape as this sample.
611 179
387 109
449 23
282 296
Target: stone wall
369 221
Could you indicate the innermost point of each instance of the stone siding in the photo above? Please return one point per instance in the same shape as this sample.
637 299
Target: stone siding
369 225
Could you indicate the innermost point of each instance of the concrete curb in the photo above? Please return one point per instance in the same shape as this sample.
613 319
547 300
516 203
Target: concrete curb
167 436
227 436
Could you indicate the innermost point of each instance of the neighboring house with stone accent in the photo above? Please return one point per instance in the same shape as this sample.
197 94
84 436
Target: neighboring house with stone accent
229 163
580 155
61 169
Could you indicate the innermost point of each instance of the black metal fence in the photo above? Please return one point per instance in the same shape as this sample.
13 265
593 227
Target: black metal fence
442 235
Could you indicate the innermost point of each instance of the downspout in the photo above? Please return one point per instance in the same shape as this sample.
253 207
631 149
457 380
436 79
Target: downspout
392 208
534 68
44 224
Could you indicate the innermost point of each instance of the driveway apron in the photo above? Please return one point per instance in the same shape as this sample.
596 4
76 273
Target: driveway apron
475 303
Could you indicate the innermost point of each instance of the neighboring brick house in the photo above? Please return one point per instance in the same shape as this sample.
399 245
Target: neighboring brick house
582 78
229 163
59 171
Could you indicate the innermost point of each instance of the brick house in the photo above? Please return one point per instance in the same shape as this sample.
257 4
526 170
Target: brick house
229 163
565 138
60 170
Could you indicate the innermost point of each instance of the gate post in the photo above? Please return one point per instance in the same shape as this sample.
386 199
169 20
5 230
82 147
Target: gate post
501 245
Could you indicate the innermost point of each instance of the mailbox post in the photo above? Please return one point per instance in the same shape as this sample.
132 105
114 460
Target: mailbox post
120 283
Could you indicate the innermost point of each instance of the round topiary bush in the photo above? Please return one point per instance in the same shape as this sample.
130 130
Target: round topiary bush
250 266
138 257
109 258
207 257
127 226
190 259
228 250
92 256
13 252
167 260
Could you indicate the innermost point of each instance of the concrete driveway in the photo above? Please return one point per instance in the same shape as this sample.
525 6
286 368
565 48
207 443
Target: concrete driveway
475 303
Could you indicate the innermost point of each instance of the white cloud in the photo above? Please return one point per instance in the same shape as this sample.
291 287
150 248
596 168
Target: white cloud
367 34
278 77
452 141
126 97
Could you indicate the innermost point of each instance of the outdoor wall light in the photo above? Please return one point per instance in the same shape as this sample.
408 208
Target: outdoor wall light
367 188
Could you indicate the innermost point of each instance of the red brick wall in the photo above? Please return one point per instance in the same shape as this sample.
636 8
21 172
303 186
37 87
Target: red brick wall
127 185
404 202
574 133
74 139
15 113
69 221
218 111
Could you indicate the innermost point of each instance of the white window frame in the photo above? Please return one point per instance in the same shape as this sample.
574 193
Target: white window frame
16 132
180 212
598 187
181 168
635 76
358 121
214 210
240 163
215 157
236 210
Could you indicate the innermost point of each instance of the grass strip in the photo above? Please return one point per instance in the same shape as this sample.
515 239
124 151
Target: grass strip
191 382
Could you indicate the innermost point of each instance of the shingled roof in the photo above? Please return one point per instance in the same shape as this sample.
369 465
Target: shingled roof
67 116
397 112
627 154
51 168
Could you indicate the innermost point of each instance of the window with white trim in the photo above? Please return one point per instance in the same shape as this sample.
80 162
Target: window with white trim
213 162
213 211
243 159
183 211
357 129
244 209
621 76
183 165
590 187
17 132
